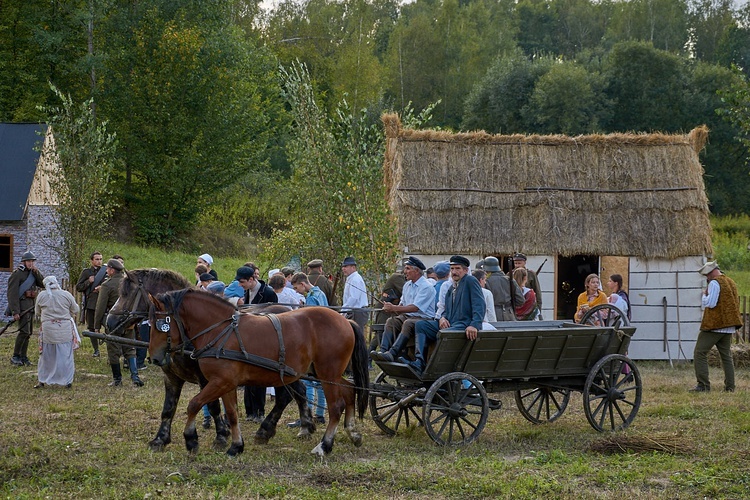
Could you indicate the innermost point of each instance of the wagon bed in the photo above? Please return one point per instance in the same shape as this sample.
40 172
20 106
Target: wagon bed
542 362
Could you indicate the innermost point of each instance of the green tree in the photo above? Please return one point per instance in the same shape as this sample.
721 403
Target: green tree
662 23
710 21
566 100
497 102
338 202
191 102
647 87
85 152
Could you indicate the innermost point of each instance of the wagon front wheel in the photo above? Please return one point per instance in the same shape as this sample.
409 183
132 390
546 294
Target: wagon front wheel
392 405
455 409
612 393
541 405
605 315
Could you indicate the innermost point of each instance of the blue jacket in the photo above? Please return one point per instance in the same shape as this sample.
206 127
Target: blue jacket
468 307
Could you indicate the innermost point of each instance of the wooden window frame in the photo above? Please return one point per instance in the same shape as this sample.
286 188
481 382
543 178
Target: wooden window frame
10 252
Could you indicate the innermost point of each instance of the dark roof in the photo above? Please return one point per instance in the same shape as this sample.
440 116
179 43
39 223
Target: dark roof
18 162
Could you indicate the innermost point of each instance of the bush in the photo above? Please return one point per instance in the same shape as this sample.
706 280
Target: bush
731 239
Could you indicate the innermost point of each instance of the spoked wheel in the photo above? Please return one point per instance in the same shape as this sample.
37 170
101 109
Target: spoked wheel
542 404
455 409
393 409
605 315
612 393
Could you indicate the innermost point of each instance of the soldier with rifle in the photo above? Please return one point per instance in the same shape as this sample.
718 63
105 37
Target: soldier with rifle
89 284
23 286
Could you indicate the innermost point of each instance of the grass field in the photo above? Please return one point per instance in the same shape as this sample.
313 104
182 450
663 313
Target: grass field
90 442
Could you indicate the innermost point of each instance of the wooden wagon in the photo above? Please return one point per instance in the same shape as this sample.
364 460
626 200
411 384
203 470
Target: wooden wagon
541 361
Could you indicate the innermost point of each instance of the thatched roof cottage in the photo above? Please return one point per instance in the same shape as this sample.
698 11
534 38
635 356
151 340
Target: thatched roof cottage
632 204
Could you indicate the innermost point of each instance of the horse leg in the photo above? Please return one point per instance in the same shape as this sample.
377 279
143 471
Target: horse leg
172 390
307 425
267 428
336 406
350 415
207 394
222 429
230 404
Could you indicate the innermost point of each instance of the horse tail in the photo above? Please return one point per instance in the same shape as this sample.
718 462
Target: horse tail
360 369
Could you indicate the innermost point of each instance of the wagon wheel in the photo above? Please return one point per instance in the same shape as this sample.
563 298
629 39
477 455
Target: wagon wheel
541 405
455 409
612 393
393 408
605 315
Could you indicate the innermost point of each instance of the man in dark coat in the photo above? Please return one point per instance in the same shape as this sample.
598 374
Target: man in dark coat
256 292
464 310
23 284
108 294
88 284
501 287
317 278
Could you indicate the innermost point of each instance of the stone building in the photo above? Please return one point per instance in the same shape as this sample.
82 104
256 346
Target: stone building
27 214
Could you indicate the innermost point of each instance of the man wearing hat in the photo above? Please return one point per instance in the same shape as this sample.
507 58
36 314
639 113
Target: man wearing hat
721 318
108 295
506 292
256 292
208 261
392 291
417 303
317 278
519 261
22 290
355 293
464 310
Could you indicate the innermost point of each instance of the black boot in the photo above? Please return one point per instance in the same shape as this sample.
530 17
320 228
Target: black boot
420 344
385 344
392 354
134 373
116 375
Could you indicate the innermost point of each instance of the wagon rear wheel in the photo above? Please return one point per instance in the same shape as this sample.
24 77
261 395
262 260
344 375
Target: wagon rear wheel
605 315
541 405
612 393
455 409
392 405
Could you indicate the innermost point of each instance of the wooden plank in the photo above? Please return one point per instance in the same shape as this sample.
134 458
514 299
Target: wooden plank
654 312
680 264
647 280
563 351
654 296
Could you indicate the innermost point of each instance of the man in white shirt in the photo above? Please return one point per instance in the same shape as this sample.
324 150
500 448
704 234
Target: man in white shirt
355 293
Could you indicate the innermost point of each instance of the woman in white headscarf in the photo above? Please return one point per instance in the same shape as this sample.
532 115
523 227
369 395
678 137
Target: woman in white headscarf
58 336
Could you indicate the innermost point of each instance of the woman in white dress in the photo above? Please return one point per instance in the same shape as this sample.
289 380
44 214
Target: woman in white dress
58 336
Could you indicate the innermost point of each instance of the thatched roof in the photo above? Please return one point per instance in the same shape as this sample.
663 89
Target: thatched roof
475 193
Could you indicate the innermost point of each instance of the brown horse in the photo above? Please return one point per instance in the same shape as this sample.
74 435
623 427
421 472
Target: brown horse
132 306
236 349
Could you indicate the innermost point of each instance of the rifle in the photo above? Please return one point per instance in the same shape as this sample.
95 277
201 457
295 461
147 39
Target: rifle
540 267
7 325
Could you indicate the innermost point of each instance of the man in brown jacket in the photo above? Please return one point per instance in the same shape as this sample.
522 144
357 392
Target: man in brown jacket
317 278
721 318
22 290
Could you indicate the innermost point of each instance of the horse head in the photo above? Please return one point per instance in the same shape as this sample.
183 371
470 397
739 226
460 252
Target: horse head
165 330
132 304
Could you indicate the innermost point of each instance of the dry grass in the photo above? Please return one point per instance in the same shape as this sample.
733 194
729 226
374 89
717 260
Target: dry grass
90 442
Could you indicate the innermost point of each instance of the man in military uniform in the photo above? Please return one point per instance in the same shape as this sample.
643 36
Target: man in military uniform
317 278
88 284
502 287
22 290
108 295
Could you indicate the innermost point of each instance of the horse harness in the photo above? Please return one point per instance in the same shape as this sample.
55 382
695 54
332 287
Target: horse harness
215 348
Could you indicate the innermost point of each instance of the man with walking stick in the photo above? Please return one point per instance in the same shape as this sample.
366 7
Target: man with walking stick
23 284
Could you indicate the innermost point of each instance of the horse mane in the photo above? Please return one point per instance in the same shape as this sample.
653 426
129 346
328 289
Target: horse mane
173 300
170 278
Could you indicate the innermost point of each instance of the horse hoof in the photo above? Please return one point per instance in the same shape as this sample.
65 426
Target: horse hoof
156 446
318 450
357 439
304 434
220 444
260 439
235 450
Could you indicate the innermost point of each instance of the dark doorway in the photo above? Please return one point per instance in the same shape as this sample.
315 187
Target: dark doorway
571 273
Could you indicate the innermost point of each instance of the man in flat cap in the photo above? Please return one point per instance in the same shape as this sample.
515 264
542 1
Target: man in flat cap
317 278
88 284
23 284
355 293
464 309
417 303
519 261
108 295
721 318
